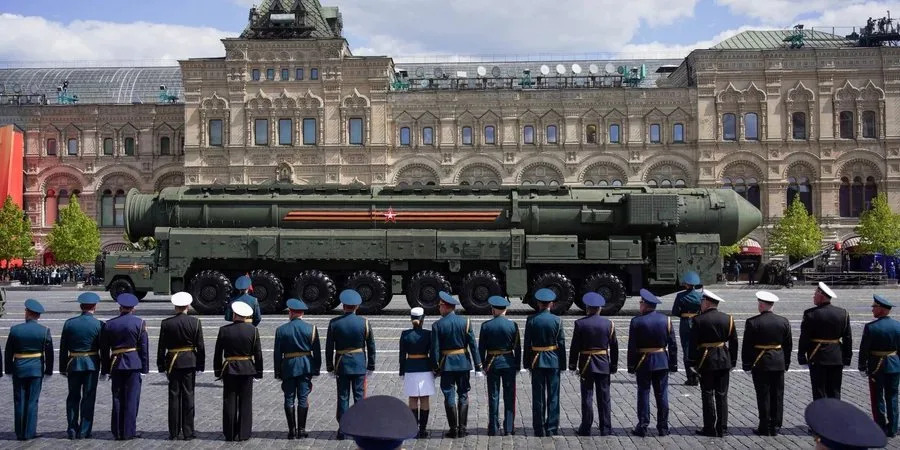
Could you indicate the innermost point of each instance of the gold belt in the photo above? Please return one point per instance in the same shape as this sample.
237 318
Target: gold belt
881 355
296 354
27 355
646 351
175 352
548 348
706 346
341 353
589 353
494 354
819 343
229 359
416 356
688 315
762 351
446 353
118 351
73 355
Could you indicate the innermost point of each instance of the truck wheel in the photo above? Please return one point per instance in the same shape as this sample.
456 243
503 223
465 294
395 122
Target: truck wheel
140 294
316 289
610 287
423 290
371 287
477 287
120 286
211 291
558 283
268 290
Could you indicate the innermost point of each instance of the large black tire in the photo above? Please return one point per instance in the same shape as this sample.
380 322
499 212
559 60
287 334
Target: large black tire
316 289
610 287
423 290
558 283
477 287
120 286
140 294
211 291
371 288
268 290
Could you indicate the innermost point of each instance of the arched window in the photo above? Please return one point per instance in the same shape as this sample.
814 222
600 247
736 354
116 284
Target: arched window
798 124
614 137
870 129
651 183
404 136
745 187
129 146
655 137
678 133
552 137
729 127
528 134
799 186
846 123
62 202
667 176
428 136
108 146
106 209
489 136
119 204
590 134
164 144
51 147
72 147
856 196
467 135
751 127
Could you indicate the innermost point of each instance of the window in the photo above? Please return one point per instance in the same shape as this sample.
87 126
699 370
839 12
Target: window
313 74
489 136
729 127
356 128
745 187
215 132
108 146
51 147
261 132
285 132
467 135
551 134
428 136
129 146
590 134
270 74
751 127
869 125
654 134
164 145
846 124
119 205
404 136
799 186
528 133
856 197
285 74
309 131
678 133
72 147
614 133
106 209
299 74
254 74
798 122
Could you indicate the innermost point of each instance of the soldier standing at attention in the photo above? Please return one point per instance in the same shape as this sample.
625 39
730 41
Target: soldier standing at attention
453 350
237 361
298 358
349 353
243 284
686 306
416 370
29 357
714 351
180 355
826 344
124 355
500 347
545 355
79 361
652 354
594 356
878 359
767 355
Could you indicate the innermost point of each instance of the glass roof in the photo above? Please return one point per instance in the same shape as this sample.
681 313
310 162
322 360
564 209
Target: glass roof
117 85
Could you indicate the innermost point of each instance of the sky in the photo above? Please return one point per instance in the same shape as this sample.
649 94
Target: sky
160 32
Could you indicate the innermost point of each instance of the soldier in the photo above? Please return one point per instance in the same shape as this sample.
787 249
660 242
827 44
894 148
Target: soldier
416 370
349 353
838 425
879 361
826 344
545 354
686 306
453 353
237 361
714 352
767 355
380 422
500 347
652 354
243 284
29 357
180 355
79 361
298 358
594 356
124 355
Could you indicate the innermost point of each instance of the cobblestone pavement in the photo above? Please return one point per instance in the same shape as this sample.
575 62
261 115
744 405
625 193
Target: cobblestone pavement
269 424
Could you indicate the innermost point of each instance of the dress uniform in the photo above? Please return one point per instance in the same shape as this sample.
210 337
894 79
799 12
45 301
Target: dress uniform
416 370
124 355
500 348
714 352
767 355
242 284
180 355
79 361
826 344
685 307
380 422
453 352
878 359
29 357
237 361
349 352
594 356
298 358
838 425
545 357
652 354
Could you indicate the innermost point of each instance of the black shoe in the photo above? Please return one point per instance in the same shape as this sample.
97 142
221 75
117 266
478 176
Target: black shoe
463 420
663 433
583 432
423 424
639 432
761 432
706 433
452 421
190 438
301 422
492 433
504 433
340 436
171 438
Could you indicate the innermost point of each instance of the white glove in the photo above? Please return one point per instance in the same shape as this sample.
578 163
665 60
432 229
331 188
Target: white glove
104 377
523 370
479 374
370 374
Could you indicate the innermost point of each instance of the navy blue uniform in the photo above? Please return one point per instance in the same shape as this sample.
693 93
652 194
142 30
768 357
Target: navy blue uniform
415 351
298 358
29 357
652 354
595 355
250 300
714 352
124 355
79 360
545 357
826 344
686 306
500 347
878 359
349 353
453 352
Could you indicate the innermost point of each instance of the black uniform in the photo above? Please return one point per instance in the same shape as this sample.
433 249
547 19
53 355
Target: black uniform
238 359
180 355
767 354
826 344
714 351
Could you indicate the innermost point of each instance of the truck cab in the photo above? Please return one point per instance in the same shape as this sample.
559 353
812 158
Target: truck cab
128 271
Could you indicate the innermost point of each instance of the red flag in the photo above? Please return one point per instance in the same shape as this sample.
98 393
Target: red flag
251 283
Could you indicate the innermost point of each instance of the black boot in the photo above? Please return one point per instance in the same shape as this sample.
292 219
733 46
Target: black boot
463 418
415 414
291 421
301 422
451 420
423 424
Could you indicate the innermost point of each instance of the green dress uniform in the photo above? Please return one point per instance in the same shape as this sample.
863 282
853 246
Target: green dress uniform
29 357
254 304
685 307
349 353
500 348
298 358
879 360
545 357
79 361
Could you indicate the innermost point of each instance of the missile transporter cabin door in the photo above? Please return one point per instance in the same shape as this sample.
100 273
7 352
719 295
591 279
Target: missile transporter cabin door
697 252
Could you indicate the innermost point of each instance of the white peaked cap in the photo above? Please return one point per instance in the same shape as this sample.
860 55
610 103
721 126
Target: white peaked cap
827 290
416 312
182 299
766 296
712 296
242 309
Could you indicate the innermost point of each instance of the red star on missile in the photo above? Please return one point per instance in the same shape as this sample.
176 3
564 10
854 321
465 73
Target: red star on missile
390 215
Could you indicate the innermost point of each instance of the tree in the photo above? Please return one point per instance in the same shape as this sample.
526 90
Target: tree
728 250
879 228
797 234
15 233
75 238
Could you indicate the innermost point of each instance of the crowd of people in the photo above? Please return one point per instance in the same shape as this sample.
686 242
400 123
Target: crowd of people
29 274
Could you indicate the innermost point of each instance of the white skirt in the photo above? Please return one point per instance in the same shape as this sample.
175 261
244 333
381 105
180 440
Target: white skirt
418 384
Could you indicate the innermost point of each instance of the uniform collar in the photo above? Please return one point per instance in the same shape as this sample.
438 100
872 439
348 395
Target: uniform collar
87 313
30 320
649 312
296 318
349 313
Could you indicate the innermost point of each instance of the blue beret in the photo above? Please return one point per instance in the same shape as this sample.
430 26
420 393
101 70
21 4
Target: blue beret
242 283
350 297
447 298
881 301
545 295
34 306
841 425
498 302
127 300
88 298
648 297
296 305
379 422
593 299
691 278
